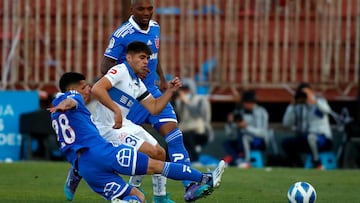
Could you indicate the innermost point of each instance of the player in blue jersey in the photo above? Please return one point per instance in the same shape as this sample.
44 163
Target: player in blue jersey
98 161
140 27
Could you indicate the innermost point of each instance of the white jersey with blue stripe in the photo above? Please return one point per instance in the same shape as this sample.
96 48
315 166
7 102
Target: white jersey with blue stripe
126 88
130 32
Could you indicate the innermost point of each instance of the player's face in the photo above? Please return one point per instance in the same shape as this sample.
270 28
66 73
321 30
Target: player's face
142 12
84 89
138 63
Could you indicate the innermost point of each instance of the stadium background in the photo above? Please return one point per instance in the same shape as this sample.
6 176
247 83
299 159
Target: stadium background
226 45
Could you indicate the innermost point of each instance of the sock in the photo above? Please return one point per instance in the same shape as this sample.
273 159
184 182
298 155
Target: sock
159 185
177 150
177 171
136 180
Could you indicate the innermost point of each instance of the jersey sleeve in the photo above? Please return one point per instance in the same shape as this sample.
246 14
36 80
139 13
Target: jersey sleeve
143 93
115 48
114 74
76 96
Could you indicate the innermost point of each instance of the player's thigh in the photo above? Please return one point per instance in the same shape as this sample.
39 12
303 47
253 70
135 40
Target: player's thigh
155 152
129 162
102 179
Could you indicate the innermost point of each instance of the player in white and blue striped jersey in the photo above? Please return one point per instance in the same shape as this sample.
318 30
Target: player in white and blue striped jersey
140 27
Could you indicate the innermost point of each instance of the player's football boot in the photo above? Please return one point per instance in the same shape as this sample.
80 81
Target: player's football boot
162 199
215 176
196 191
211 180
71 183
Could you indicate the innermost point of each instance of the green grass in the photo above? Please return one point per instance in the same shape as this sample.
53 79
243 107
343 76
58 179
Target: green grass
43 182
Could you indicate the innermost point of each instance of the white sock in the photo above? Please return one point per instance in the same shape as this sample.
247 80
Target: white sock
136 180
159 185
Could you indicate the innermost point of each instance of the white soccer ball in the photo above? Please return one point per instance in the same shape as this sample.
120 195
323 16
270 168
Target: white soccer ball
301 192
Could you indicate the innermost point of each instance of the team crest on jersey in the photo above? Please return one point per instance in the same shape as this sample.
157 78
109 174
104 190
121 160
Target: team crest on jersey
157 42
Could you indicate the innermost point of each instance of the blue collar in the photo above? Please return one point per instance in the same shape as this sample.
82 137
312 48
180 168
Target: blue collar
131 72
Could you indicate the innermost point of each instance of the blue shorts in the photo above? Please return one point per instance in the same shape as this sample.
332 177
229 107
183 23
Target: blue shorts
139 115
101 166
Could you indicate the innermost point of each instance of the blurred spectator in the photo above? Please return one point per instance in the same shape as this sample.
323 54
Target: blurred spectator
194 112
308 116
247 128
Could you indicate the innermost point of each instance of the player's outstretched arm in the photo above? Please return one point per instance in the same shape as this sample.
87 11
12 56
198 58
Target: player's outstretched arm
63 106
155 106
100 91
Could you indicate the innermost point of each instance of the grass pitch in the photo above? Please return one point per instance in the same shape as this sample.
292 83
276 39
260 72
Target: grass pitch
33 182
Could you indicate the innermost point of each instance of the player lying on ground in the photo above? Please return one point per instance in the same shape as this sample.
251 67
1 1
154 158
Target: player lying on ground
97 160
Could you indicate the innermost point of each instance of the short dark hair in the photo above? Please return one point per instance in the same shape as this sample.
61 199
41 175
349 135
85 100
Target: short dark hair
68 79
138 47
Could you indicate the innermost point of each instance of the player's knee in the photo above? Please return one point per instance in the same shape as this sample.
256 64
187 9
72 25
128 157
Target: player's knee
166 128
157 152
161 153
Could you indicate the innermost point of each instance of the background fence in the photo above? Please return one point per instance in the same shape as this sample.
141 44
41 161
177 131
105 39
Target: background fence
226 45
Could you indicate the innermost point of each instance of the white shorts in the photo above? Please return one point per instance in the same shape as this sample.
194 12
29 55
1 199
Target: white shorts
129 134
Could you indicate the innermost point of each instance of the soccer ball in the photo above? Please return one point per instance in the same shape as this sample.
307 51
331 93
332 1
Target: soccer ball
301 192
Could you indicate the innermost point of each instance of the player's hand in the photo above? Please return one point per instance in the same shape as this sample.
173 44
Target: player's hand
118 120
55 109
175 84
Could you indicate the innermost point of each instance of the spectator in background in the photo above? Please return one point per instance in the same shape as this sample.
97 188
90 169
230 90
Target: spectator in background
194 112
247 128
308 116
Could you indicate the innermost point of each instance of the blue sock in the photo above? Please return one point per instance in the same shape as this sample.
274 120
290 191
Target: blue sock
181 172
177 150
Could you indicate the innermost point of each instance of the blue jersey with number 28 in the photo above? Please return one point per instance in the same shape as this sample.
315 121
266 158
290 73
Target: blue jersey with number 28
74 128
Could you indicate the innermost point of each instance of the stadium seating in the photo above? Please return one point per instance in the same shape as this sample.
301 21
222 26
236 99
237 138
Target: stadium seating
256 159
327 159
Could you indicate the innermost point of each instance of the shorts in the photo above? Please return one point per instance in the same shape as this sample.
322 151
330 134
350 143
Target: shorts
139 115
101 166
129 134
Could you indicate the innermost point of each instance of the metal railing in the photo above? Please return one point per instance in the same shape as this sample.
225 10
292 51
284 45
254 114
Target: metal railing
221 43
